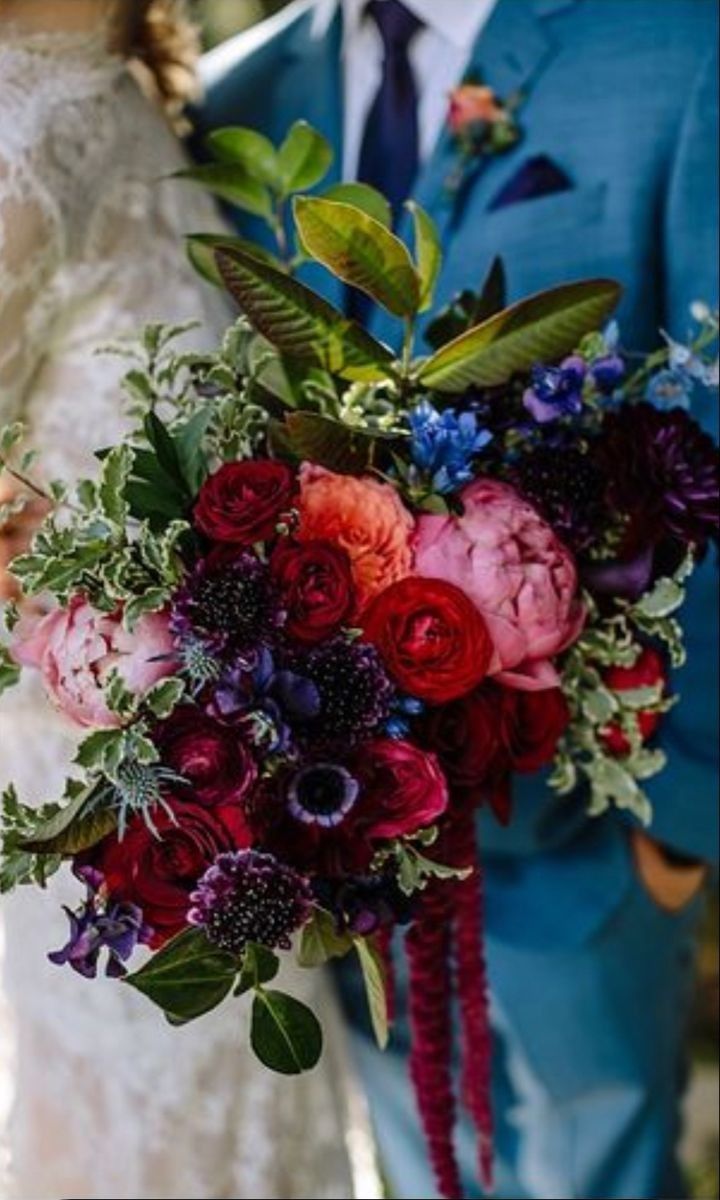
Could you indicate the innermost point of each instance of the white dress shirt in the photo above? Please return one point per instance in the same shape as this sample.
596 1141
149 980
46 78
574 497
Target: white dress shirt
439 54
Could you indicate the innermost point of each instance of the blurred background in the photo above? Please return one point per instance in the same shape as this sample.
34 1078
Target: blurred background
219 20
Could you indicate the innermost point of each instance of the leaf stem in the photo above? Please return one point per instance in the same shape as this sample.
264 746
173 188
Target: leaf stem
28 483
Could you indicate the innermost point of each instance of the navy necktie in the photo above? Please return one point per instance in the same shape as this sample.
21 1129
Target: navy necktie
389 154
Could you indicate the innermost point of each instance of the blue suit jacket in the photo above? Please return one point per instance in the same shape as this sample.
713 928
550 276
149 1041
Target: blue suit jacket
621 96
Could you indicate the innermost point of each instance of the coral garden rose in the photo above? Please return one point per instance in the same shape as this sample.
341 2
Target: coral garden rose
362 516
243 501
523 580
315 583
472 104
431 638
212 757
76 648
158 871
647 671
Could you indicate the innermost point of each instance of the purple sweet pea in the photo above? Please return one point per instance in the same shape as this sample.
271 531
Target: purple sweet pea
101 924
255 686
556 391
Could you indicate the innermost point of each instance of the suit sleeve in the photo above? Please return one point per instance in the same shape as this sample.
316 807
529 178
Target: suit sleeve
685 796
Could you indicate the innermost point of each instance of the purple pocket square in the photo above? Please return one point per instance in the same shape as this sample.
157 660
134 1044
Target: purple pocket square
537 177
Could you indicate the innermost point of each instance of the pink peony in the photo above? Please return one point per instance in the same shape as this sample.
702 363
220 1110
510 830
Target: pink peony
507 559
75 649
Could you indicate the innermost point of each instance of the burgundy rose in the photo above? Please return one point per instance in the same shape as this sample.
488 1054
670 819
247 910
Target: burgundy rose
533 727
403 789
316 586
157 872
213 758
469 737
243 501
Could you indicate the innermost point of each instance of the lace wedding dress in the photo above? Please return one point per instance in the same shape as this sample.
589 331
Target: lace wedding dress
106 1100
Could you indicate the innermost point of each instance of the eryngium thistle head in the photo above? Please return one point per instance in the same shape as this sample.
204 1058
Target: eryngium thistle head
247 896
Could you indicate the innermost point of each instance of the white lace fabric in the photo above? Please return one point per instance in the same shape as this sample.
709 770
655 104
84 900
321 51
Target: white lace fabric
109 1101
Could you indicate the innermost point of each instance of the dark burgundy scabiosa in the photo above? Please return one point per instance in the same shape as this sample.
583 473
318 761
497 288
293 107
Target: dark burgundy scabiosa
567 488
228 600
663 472
355 692
247 896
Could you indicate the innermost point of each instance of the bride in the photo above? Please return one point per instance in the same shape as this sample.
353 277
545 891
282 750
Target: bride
107 1101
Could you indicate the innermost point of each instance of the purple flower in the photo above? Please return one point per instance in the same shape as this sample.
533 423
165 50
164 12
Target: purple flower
567 489
556 391
101 924
355 692
363 904
246 896
606 372
228 602
254 685
322 794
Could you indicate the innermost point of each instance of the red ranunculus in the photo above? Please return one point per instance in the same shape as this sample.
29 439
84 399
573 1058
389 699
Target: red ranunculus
533 726
316 587
159 871
431 638
403 789
649 669
213 758
469 736
242 502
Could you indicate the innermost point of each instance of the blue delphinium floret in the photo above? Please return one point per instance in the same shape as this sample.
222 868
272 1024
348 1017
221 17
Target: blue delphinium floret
556 391
443 445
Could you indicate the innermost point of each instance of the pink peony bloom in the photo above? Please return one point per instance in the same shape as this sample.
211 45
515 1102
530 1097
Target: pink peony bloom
76 648
507 559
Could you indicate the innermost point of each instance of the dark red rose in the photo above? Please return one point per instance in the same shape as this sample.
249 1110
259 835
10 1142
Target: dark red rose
469 737
212 757
534 722
242 502
158 872
649 669
316 587
403 789
431 638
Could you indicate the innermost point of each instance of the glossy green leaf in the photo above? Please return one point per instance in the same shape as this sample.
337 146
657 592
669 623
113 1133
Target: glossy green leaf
304 158
231 182
285 1034
428 253
320 941
364 197
375 989
328 442
360 251
201 249
260 965
300 323
542 328
79 825
252 150
187 977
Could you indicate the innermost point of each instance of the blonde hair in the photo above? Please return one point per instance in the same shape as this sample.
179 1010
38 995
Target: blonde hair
160 37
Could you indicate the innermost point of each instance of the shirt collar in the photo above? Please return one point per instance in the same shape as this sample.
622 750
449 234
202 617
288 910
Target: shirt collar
456 21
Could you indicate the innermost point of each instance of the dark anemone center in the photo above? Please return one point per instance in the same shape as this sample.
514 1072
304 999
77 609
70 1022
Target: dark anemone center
321 791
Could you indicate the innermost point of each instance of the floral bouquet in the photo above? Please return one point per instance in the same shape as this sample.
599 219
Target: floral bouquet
324 602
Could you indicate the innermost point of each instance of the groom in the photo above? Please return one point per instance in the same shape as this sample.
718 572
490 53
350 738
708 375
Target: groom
589 922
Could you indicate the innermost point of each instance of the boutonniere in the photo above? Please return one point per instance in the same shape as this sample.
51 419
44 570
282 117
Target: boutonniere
482 126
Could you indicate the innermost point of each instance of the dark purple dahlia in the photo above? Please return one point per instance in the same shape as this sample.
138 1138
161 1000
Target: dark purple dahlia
663 473
246 896
567 488
228 602
356 694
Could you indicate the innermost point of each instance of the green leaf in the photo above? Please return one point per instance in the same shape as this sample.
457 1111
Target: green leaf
201 249
93 749
114 474
304 158
76 827
9 670
359 250
189 437
428 253
300 323
250 149
260 965
231 182
320 940
285 1034
375 988
540 329
163 697
364 197
150 601
326 441
665 598
187 977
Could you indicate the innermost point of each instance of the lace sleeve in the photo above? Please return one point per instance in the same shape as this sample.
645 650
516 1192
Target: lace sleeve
30 253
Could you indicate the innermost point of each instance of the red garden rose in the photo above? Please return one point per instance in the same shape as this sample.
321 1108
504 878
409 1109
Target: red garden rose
242 502
159 871
431 638
533 727
316 587
212 757
469 736
403 789
649 669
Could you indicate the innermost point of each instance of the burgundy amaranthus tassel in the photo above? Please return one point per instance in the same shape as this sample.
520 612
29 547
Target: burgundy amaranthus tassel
429 955
472 988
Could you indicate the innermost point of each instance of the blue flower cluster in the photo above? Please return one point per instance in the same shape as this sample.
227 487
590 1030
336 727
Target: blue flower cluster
443 445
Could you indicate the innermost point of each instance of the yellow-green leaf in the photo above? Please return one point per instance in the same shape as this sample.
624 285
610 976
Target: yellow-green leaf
374 978
252 150
428 253
233 183
304 158
362 196
360 251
